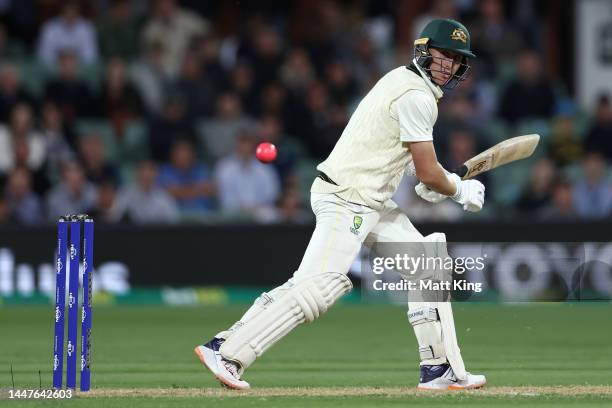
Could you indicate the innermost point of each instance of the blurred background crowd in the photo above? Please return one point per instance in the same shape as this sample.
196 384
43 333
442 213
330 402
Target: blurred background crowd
150 111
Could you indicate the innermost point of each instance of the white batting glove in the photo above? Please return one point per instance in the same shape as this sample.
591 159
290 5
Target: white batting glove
470 193
428 194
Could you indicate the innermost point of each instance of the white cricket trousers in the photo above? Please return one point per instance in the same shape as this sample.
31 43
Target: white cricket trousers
341 229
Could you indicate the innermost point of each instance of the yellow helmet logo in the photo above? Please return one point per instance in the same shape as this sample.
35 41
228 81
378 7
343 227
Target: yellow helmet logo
459 34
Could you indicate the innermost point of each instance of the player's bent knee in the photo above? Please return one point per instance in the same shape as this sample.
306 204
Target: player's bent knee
305 301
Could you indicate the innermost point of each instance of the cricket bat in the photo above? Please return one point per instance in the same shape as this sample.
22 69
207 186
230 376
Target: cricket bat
513 149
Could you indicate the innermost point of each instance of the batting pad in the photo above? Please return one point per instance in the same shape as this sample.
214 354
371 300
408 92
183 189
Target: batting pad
434 328
308 299
428 332
449 338
433 321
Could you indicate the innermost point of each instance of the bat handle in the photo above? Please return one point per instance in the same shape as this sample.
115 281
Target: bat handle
461 171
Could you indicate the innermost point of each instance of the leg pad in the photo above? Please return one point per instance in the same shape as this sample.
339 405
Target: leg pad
305 301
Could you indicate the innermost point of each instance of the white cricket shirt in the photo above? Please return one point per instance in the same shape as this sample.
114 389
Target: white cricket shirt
370 157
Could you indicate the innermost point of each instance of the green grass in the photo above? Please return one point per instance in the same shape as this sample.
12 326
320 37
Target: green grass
351 346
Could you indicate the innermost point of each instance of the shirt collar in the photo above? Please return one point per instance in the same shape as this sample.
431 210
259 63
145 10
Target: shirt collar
435 89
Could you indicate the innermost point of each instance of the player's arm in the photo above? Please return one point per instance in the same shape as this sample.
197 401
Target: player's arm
436 183
428 170
417 112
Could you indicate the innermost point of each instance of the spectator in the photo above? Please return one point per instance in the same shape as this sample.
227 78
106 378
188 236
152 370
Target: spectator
480 98
245 184
341 86
119 101
144 202
11 91
599 137
24 205
174 28
562 206
68 31
461 147
489 32
198 92
207 49
297 72
539 191
105 210
366 64
70 93
148 76
188 182
9 48
273 100
170 124
264 54
325 122
593 193
21 128
73 195
57 137
219 133
242 84
565 143
118 32
456 110
328 34
92 154
5 213
39 179
530 95
288 210
316 119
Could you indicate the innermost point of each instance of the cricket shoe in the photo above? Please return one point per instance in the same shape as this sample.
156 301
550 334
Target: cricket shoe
442 377
226 371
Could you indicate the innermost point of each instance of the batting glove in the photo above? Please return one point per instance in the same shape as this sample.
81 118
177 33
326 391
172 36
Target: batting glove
470 193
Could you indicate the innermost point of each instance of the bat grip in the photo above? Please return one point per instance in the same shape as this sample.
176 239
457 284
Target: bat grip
461 171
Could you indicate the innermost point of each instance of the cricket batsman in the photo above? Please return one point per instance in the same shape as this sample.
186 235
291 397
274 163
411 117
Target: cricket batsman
389 133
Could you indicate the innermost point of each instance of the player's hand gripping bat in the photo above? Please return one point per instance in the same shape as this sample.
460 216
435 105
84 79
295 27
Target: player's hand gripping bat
509 150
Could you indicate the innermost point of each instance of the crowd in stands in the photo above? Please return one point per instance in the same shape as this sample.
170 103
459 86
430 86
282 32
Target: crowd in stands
149 112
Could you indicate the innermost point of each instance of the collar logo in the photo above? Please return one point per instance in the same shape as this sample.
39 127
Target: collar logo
459 35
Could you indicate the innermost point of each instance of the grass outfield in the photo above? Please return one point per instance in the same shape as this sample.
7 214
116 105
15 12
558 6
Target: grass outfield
358 356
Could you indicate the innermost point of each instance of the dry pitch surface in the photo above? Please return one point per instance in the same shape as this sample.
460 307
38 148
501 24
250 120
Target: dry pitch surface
568 391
